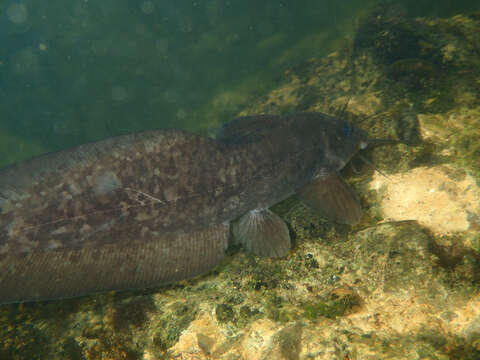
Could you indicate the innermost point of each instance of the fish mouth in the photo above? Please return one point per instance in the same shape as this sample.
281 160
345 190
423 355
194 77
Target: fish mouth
363 145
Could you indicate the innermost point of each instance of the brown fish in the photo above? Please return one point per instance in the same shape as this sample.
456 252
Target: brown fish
156 207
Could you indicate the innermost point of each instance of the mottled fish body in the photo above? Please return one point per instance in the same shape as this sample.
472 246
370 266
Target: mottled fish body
152 208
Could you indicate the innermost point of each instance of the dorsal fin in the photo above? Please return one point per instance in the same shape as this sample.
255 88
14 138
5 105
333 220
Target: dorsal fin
249 129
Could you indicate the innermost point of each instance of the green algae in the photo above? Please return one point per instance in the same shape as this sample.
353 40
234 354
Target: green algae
131 314
289 339
224 313
170 324
330 309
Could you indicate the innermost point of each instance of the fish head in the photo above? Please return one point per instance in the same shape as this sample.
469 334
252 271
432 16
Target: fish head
343 143
332 141
335 140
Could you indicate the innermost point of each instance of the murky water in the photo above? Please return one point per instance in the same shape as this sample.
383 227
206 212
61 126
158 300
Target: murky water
76 71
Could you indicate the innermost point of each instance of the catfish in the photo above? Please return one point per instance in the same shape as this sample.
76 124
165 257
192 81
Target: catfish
155 207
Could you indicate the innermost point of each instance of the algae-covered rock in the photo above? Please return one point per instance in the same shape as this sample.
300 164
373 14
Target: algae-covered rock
402 284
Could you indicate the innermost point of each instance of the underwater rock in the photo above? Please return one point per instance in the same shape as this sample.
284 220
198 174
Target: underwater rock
441 198
408 302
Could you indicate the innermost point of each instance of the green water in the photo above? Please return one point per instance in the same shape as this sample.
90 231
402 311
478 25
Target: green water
77 71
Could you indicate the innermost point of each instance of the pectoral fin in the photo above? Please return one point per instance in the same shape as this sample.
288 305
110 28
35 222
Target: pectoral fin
330 196
263 233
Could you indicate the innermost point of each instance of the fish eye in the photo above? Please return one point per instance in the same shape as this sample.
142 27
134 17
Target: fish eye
347 130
